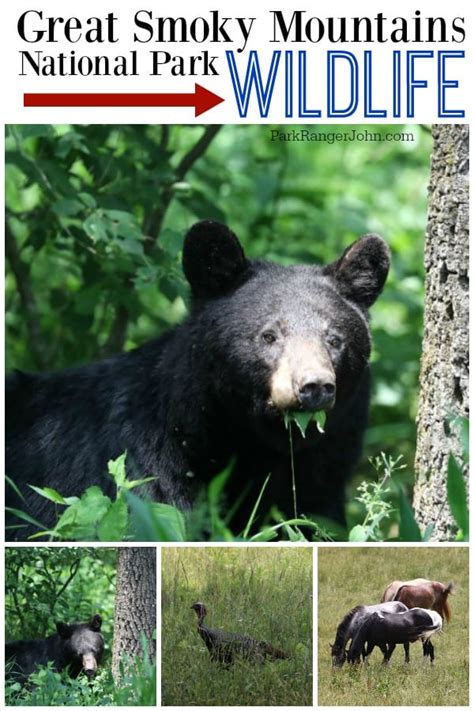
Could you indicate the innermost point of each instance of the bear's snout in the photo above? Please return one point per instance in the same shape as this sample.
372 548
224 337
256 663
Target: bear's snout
304 378
317 393
89 664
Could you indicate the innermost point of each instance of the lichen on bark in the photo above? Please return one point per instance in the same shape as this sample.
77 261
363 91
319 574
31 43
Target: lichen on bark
135 605
444 364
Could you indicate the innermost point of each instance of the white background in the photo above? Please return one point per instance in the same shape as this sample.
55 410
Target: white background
13 86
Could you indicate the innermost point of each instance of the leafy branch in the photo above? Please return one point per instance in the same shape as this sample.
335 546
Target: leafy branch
27 299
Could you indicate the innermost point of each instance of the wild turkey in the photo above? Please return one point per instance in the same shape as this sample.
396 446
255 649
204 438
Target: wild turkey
225 646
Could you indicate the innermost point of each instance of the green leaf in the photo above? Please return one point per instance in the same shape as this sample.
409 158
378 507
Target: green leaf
50 494
114 524
272 531
17 491
69 500
320 419
428 532
332 529
88 200
294 534
80 520
217 485
359 534
155 522
457 495
171 241
66 207
267 534
136 482
41 534
174 517
303 419
409 529
116 469
95 227
25 517
255 508
465 438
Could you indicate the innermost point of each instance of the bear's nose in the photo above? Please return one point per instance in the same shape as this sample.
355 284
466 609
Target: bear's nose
316 394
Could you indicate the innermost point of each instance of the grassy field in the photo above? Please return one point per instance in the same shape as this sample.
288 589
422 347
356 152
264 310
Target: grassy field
263 592
352 576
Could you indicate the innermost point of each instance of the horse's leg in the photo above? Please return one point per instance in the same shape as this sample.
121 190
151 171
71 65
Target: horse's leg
368 652
386 655
406 647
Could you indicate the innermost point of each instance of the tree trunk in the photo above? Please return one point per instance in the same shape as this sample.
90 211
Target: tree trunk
444 363
135 605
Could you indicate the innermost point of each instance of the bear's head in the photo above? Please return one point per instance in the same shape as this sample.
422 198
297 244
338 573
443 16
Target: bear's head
282 338
82 645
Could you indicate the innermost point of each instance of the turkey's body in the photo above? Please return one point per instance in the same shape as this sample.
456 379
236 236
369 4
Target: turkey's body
224 646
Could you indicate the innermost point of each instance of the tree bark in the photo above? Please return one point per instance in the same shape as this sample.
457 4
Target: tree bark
444 364
135 605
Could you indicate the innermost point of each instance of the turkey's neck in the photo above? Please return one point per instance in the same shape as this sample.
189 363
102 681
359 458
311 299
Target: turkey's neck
201 616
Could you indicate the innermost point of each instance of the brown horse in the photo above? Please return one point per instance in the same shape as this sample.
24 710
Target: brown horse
421 593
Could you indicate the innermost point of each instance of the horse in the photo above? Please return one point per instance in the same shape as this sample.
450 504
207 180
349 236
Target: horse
385 630
350 624
420 592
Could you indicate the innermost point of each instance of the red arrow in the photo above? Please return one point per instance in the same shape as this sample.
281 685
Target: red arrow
202 100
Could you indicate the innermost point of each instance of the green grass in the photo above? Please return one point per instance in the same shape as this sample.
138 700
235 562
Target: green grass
352 576
263 592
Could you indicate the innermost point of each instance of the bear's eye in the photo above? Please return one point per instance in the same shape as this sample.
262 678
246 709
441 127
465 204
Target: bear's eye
335 341
269 337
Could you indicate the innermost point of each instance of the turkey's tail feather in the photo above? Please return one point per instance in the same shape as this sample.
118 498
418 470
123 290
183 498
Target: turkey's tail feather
273 652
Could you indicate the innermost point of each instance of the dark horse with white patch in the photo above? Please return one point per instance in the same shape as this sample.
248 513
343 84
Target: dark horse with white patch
350 624
429 594
385 630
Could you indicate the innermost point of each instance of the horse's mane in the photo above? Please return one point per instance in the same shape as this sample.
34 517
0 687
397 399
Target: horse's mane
357 644
341 632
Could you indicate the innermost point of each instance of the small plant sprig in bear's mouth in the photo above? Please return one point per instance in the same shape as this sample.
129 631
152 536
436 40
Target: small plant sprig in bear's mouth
303 419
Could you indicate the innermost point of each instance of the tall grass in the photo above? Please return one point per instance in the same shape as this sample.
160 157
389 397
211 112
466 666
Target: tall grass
352 576
263 592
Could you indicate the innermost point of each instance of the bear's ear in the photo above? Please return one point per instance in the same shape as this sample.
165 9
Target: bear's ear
213 259
362 270
96 623
63 629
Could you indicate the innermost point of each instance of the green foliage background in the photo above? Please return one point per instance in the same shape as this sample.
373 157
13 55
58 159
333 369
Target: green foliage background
341 586
96 216
265 593
45 585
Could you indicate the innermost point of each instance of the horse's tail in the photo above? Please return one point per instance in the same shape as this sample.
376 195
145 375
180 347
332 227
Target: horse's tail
424 632
391 591
445 608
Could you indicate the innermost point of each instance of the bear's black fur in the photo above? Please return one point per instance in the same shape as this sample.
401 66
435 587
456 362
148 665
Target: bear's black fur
260 339
78 646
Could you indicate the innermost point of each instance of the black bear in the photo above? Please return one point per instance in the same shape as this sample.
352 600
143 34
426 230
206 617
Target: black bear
261 340
78 646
